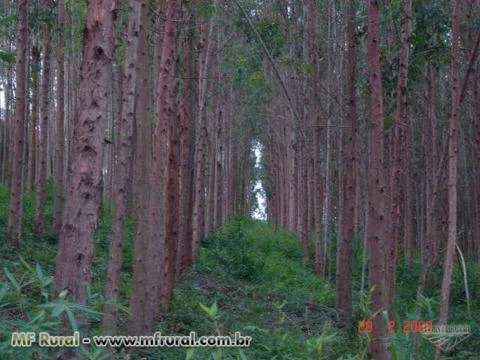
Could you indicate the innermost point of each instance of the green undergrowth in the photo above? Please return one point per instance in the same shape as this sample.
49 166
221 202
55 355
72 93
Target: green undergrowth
256 279
247 278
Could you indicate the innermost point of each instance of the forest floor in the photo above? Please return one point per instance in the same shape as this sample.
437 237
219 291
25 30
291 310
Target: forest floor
248 278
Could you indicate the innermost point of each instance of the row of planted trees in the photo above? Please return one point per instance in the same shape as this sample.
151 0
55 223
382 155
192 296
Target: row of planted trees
144 112
376 147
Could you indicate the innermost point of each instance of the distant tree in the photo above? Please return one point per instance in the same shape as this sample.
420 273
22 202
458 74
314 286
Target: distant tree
186 173
43 129
59 173
33 125
124 154
452 167
400 123
201 146
14 231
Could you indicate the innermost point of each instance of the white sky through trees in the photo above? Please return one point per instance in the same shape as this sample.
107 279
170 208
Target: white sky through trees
260 211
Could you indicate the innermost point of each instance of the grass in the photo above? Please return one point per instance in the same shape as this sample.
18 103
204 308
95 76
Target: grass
256 278
251 274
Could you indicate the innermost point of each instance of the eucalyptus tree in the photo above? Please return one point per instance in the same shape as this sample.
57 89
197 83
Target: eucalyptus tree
124 153
59 173
14 231
82 204
452 166
377 231
344 252
43 128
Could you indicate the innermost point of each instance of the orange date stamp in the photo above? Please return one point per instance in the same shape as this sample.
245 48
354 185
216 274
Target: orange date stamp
406 326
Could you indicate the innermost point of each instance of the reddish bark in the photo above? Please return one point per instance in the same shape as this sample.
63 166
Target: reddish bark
172 197
452 167
33 128
142 156
198 227
345 247
82 203
377 232
14 230
43 129
8 133
212 150
400 122
409 201
184 248
161 255
60 124
476 95
219 167
124 154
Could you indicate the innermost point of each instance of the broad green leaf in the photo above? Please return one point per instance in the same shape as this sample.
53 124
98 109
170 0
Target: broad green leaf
71 319
211 311
12 279
25 264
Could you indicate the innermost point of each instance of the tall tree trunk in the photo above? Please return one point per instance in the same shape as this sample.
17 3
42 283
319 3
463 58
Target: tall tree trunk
124 153
409 203
318 196
377 232
345 248
400 120
211 143
452 168
184 250
16 189
172 190
328 157
476 95
219 163
158 212
43 139
142 156
82 203
293 179
60 128
32 152
198 226
302 185
8 132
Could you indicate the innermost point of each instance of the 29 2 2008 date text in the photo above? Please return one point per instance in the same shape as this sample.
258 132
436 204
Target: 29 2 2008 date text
407 326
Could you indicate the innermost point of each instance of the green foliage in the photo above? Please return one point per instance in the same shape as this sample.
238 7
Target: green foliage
77 13
318 344
211 311
246 264
252 279
430 38
255 80
271 31
31 248
7 57
203 8
40 15
27 305
8 23
256 283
